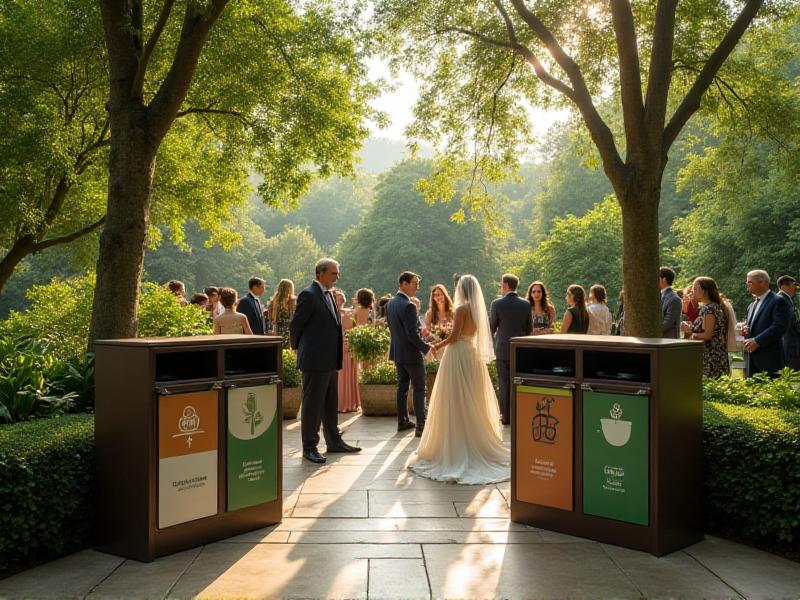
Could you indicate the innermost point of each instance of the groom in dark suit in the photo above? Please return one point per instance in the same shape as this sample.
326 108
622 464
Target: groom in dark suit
510 316
316 333
767 321
407 350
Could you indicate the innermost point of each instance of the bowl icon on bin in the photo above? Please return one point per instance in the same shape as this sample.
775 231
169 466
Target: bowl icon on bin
616 432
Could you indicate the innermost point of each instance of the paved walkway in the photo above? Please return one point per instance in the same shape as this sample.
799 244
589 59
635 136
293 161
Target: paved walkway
363 527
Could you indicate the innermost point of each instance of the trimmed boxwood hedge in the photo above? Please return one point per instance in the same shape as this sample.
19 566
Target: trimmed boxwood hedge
752 472
46 475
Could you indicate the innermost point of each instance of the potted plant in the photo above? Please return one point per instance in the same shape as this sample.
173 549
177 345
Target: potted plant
431 369
378 389
292 391
368 343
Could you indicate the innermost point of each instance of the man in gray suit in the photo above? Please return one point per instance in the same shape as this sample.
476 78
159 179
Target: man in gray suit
316 334
510 316
791 339
670 305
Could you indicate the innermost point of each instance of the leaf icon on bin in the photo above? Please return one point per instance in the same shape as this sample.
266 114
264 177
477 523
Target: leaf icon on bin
616 432
251 413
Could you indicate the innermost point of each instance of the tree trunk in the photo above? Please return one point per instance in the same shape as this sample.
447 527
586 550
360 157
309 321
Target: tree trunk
640 258
21 248
122 244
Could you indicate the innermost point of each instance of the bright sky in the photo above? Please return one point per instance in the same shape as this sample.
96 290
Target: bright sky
399 103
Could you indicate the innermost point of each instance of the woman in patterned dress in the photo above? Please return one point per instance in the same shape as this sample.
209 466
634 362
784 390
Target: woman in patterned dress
281 310
711 327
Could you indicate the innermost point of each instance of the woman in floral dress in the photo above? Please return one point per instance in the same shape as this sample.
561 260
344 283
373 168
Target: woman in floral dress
710 327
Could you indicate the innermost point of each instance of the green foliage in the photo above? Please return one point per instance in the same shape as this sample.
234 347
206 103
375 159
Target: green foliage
59 315
432 367
584 250
382 373
402 231
757 391
368 342
291 374
752 472
292 254
46 483
160 314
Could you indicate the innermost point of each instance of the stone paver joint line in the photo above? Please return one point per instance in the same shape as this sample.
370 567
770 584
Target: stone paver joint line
623 571
741 595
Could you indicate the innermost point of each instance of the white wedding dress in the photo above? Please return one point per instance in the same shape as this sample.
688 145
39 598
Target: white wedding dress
462 439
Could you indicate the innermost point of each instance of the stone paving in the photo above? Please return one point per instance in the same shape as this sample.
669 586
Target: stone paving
363 527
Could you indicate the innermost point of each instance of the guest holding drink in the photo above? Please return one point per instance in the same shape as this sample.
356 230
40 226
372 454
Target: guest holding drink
710 327
542 312
576 318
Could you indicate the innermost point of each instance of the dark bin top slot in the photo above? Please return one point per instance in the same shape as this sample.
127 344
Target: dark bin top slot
616 366
554 362
247 361
181 366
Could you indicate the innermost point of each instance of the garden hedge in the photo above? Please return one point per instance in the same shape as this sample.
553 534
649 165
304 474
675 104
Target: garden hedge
752 472
46 475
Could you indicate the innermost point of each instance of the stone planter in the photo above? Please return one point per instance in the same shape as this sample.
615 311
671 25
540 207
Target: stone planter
378 400
290 401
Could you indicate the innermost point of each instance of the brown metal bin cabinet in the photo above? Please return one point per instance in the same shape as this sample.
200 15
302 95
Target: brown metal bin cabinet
606 436
188 441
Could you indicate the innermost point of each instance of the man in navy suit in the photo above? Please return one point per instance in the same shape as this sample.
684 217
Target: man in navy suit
510 316
791 339
767 320
316 333
250 305
407 350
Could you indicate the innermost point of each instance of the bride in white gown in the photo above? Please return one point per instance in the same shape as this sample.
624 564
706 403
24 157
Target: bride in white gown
462 440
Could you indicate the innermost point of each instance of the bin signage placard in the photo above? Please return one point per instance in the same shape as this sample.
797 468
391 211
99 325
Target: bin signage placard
543 439
252 445
187 457
616 456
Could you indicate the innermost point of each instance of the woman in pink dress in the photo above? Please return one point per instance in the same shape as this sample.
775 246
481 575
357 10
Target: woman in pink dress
349 398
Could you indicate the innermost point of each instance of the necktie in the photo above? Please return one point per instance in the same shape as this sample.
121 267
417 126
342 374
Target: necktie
754 311
332 305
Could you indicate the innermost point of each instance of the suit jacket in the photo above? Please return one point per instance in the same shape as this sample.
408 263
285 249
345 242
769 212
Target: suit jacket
767 328
509 316
250 307
670 314
407 347
315 332
791 339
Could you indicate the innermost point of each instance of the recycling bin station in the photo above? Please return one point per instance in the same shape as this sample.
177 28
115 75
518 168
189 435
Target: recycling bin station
606 437
188 441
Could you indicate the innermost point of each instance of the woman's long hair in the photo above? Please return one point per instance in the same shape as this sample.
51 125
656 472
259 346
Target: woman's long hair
709 286
434 307
283 298
546 306
579 295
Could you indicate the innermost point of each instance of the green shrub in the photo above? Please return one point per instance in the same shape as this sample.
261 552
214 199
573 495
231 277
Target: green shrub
432 367
757 391
291 374
752 472
382 373
46 482
368 342
28 372
160 314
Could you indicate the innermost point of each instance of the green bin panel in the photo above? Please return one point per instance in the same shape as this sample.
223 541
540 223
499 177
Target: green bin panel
616 456
252 445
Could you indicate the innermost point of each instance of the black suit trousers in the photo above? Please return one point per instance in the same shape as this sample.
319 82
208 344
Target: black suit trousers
320 406
504 379
415 375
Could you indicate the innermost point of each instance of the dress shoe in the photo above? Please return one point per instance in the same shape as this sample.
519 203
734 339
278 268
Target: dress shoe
314 456
343 446
418 432
403 425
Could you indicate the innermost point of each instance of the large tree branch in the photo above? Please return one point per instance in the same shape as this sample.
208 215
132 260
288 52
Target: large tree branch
65 239
601 134
138 80
691 102
629 74
660 77
173 90
240 116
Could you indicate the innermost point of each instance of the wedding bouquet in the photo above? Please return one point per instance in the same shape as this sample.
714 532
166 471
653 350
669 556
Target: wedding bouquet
441 330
